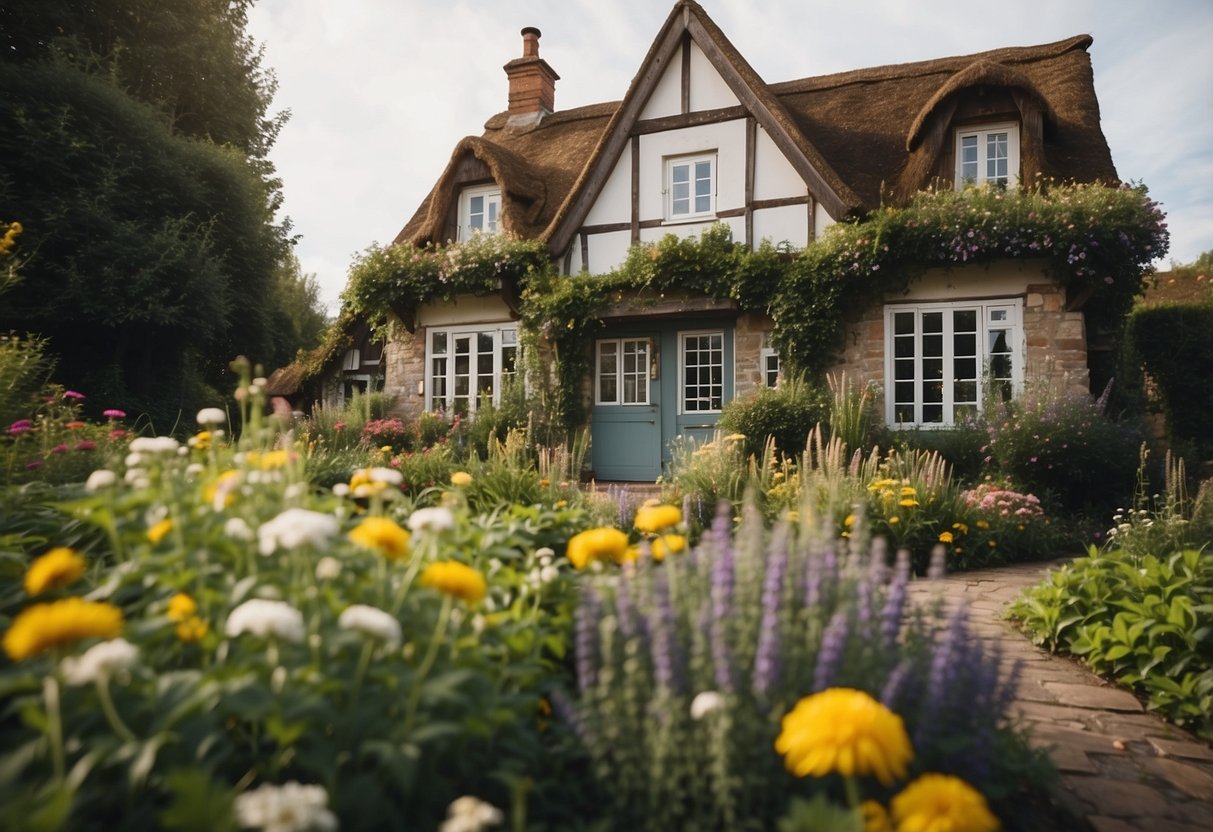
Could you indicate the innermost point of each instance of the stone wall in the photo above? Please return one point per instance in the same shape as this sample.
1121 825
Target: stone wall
404 373
747 351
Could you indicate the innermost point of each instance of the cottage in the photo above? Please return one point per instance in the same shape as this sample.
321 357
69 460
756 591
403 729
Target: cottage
699 139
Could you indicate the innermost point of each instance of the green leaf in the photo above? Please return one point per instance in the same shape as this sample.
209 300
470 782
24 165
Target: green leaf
198 804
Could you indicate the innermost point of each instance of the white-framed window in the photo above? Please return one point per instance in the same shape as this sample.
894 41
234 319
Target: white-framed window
690 187
942 360
768 362
701 372
987 154
621 374
352 360
479 211
464 364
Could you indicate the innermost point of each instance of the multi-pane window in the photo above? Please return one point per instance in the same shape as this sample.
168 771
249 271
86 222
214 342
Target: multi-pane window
943 360
480 211
702 359
467 364
690 185
988 155
622 371
768 358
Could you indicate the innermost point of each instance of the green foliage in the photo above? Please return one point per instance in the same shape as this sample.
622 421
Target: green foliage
1064 449
853 417
1143 619
1162 522
1174 346
963 446
25 367
785 414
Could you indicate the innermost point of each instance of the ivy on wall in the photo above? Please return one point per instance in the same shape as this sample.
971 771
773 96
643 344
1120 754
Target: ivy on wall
1096 241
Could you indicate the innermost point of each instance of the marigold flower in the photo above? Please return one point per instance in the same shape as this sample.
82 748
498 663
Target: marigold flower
945 537
849 520
201 440
668 544
908 502
59 567
845 731
908 491
653 519
461 479
192 629
181 607
456 579
596 544
894 520
160 530
939 802
875 817
43 627
383 536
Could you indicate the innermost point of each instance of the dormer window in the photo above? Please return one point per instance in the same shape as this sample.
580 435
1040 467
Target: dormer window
987 155
479 211
690 187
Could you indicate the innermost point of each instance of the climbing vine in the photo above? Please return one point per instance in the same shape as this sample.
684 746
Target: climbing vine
1096 241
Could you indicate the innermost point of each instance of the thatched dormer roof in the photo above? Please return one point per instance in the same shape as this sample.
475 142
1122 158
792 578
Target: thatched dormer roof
859 139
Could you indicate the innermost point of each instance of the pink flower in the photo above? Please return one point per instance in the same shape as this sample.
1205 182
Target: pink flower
338 425
33 466
114 413
72 394
59 449
86 446
20 426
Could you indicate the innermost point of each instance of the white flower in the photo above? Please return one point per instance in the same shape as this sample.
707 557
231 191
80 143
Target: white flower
264 618
431 519
101 661
327 568
544 555
341 489
296 527
101 478
194 469
133 460
155 445
211 416
373 622
389 475
548 573
706 703
133 474
237 529
470 814
291 807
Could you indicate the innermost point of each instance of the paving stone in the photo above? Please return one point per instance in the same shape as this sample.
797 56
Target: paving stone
1116 798
1042 711
1094 696
1135 726
1105 824
1080 740
1070 760
1186 777
1188 749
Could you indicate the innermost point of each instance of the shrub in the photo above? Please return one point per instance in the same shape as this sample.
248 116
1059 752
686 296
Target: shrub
1159 523
964 448
785 413
1065 450
1141 618
392 434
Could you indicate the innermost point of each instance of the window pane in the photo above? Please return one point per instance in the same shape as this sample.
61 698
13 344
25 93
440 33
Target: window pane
998 340
932 391
903 323
964 344
964 392
932 322
932 414
903 347
965 368
968 158
438 343
607 390
964 320
680 173
509 359
903 413
903 391
932 345
903 370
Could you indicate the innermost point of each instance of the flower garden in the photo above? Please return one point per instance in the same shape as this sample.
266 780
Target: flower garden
357 623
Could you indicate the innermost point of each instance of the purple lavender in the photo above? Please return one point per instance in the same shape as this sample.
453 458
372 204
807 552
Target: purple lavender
939 563
812 579
829 657
667 663
586 642
863 608
895 601
722 602
942 677
566 712
766 662
894 684
631 624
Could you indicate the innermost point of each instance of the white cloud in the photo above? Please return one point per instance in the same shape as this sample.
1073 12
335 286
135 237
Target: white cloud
381 90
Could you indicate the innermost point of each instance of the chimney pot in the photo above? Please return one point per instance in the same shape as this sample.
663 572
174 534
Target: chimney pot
532 83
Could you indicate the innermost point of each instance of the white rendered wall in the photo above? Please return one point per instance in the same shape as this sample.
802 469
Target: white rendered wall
470 309
790 223
606 251
822 221
708 90
666 98
614 203
726 139
1004 278
774 176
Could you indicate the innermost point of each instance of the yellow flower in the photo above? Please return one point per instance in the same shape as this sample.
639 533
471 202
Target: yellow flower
222 490
849 520
877 485
992 543
908 491
653 519
181 607
793 516
60 566
894 520
845 731
192 629
201 440
461 479
961 527
159 531
273 459
875 818
982 524
597 544
945 537
456 579
44 627
560 504
942 803
382 535
668 544
908 502
735 437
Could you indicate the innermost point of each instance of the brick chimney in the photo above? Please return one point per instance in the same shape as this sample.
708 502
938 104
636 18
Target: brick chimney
532 82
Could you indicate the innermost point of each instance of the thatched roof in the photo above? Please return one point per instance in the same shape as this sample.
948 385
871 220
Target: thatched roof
860 138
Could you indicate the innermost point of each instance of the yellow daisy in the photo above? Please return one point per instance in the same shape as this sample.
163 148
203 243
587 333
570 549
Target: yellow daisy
59 567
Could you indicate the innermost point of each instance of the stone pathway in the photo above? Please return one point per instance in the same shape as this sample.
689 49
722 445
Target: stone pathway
1121 768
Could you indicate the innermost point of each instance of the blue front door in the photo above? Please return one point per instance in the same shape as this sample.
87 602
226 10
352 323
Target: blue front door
652 383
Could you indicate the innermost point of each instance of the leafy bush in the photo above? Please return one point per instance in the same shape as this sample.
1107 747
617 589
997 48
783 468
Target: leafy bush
785 413
1143 619
964 448
389 433
1064 449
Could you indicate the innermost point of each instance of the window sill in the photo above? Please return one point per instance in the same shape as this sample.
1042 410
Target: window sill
698 218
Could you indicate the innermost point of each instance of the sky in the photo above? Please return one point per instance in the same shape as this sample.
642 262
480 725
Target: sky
380 91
